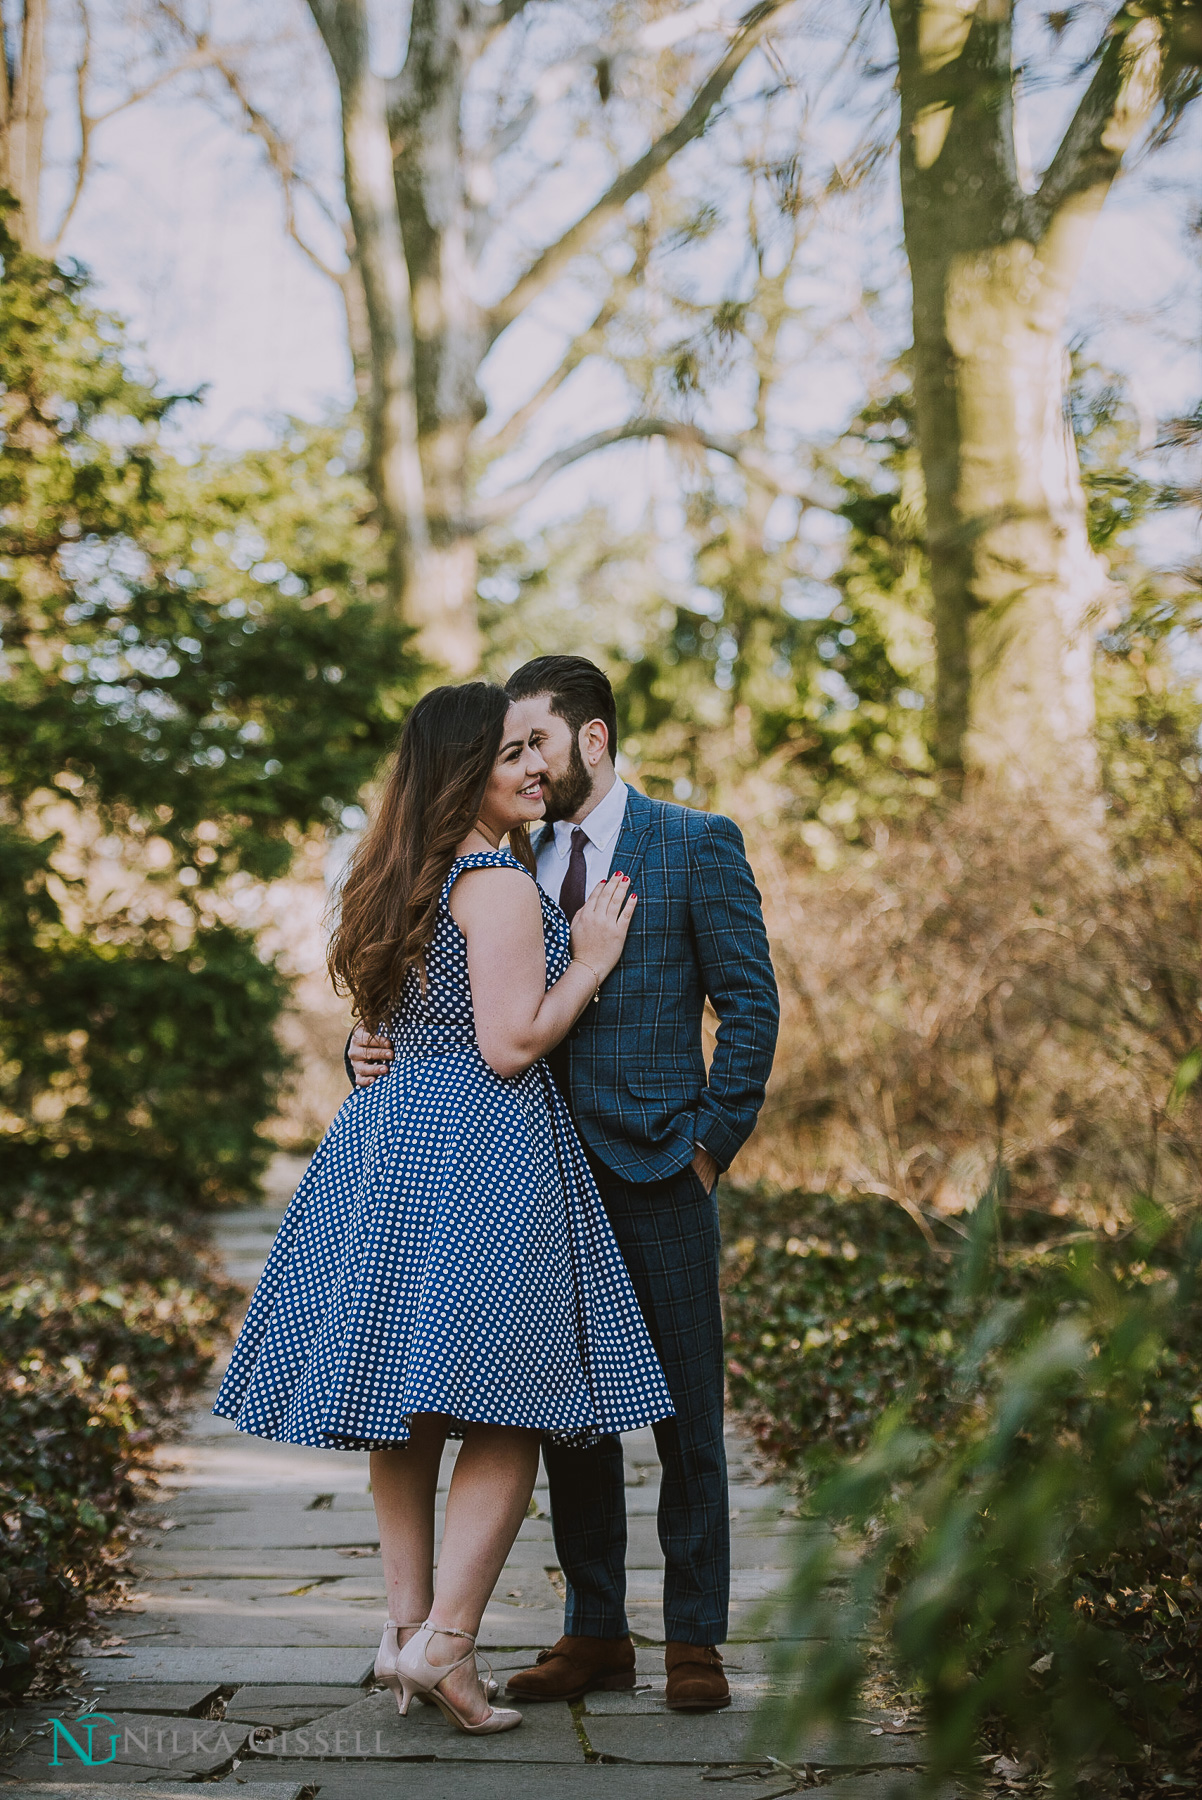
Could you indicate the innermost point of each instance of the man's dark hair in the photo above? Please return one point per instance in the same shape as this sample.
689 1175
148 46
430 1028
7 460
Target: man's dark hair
577 689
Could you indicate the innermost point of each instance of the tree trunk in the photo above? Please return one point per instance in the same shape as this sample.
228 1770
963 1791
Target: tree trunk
1018 590
449 342
23 124
380 259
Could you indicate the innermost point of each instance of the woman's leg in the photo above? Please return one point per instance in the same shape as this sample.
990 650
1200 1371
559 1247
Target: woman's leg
490 1492
404 1481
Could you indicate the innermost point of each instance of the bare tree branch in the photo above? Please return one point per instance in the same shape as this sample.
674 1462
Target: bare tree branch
198 59
552 262
751 462
279 151
585 344
1114 108
86 126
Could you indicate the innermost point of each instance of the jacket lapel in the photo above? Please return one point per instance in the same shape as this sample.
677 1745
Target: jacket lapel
632 838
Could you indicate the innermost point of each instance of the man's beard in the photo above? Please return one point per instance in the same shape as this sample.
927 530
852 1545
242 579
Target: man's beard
568 792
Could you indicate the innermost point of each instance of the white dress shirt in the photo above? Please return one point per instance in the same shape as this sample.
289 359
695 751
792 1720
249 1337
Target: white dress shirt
601 828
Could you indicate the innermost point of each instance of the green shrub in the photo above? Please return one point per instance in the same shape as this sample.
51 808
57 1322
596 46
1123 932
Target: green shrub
833 1308
66 1455
1025 1511
118 1314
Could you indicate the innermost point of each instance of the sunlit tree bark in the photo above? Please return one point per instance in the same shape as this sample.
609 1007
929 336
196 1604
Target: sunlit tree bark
1018 590
23 122
440 223
395 462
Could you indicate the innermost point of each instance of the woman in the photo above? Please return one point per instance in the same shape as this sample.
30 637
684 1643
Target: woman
445 1267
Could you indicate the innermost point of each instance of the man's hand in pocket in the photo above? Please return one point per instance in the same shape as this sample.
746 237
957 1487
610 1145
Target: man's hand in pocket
705 1168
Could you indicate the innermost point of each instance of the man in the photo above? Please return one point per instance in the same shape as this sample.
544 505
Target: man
658 1131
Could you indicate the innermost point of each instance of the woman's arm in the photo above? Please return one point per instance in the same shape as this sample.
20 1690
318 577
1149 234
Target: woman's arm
518 1017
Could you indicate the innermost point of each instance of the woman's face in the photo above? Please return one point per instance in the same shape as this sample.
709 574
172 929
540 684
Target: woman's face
514 795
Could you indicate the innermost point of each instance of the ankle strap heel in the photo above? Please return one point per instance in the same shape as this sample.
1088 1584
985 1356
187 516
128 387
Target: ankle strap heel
416 1674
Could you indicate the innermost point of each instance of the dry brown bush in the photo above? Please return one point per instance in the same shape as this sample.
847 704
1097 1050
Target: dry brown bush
977 988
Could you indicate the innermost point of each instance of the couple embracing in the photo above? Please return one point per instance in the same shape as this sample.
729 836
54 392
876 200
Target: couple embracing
509 1233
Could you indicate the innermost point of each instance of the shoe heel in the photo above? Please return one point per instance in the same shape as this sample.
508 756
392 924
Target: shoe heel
404 1697
612 1683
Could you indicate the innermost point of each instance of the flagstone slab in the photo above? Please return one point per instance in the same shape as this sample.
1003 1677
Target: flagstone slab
358 1562
447 1780
747 1693
729 1737
263 1628
252 1565
775 1555
264 1528
284 1706
234 1665
372 1730
123 1789
513 1627
182 1700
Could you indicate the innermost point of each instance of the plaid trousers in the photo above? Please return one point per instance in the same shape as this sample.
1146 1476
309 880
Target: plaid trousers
667 1232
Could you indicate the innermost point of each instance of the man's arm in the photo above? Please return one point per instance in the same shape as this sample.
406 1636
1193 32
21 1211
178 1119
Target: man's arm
736 968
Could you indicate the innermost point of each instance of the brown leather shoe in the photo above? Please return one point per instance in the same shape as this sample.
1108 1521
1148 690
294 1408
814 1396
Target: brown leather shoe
696 1680
576 1666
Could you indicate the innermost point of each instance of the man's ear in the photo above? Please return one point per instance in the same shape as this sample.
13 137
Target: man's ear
594 742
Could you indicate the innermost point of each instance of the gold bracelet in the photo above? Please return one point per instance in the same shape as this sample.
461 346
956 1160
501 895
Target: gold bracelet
594 974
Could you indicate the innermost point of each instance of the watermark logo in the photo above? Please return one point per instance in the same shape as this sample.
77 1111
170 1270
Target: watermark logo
81 1739
311 1742
86 1751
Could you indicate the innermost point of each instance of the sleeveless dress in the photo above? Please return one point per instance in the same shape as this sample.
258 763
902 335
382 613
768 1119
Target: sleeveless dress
446 1250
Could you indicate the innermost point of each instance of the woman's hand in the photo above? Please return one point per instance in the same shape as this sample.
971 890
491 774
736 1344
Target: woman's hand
600 927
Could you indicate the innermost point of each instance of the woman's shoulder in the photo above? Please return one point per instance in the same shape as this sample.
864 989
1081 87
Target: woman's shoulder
486 859
500 866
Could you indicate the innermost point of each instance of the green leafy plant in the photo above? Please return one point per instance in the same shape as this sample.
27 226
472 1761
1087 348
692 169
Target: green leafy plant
988 1548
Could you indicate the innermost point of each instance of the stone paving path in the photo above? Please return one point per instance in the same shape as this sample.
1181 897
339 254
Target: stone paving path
248 1653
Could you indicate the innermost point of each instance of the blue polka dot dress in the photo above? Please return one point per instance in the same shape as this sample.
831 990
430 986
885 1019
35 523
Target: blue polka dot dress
446 1251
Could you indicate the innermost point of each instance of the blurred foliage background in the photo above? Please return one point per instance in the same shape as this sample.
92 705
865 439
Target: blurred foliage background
959 727
196 680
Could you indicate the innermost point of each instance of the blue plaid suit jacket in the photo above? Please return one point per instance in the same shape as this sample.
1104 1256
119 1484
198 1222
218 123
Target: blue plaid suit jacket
633 1063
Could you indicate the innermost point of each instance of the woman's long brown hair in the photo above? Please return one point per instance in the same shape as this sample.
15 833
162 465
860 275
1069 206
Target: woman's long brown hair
431 799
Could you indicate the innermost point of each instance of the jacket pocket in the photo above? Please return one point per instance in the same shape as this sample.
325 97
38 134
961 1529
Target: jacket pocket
662 1104
683 1085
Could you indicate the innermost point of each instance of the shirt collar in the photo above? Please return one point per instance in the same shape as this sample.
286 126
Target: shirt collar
601 826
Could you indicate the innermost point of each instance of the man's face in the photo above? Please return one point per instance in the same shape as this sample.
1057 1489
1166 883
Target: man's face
568 781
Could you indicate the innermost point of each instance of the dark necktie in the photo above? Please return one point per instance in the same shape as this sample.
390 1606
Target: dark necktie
571 894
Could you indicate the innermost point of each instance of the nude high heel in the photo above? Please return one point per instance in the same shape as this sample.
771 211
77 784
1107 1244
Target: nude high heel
416 1674
390 1649
385 1669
